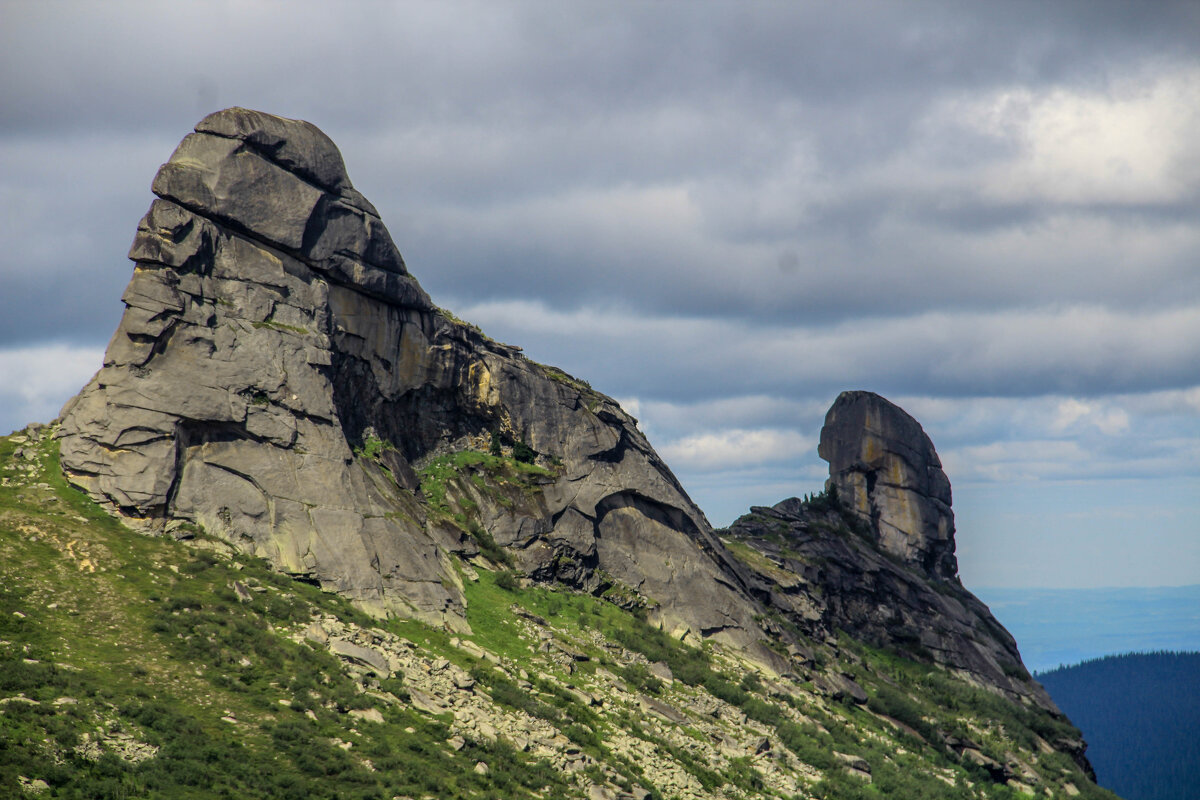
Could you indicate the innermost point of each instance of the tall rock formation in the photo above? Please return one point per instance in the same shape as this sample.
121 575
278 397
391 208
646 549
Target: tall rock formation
279 378
885 469
874 556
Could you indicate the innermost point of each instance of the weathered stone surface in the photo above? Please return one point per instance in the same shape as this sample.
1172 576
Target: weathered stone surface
886 471
272 329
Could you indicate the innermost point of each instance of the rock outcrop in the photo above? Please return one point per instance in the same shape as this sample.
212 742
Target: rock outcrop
887 473
874 555
279 377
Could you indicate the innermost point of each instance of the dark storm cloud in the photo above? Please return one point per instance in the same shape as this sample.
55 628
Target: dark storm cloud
777 173
1083 352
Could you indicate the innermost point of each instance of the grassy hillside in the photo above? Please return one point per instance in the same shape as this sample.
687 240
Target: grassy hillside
138 666
1141 714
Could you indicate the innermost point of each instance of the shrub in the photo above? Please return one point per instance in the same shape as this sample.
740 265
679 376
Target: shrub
507 580
524 453
487 545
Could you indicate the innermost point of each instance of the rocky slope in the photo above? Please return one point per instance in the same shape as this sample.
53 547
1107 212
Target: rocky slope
281 387
141 666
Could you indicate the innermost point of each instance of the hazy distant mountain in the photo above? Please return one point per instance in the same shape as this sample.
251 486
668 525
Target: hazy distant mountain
1067 626
1140 714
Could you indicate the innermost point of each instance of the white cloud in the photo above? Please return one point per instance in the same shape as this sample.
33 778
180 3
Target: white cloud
726 449
1018 461
36 381
1072 412
1134 141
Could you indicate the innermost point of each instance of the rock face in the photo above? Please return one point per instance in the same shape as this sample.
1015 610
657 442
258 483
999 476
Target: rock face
886 471
825 574
279 378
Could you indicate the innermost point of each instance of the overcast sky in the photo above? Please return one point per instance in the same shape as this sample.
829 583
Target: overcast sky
722 214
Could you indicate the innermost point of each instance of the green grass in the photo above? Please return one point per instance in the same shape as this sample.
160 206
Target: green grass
448 482
155 644
557 375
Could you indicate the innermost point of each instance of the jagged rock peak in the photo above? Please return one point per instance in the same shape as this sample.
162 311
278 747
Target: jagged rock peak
279 379
281 182
885 469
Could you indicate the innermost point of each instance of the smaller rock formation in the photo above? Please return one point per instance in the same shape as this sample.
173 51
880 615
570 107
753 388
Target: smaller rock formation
886 471
874 555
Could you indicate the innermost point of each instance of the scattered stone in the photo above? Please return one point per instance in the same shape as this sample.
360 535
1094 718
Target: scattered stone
661 710
468 647
854 762
367 714
839 687
33 785
660 670
426 702
363 656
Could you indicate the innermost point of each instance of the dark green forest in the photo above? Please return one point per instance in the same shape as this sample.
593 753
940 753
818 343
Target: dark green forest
1140 714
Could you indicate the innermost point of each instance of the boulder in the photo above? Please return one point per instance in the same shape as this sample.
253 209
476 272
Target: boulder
884 468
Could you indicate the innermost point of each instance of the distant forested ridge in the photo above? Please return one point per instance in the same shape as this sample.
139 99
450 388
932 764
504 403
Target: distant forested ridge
1140 714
